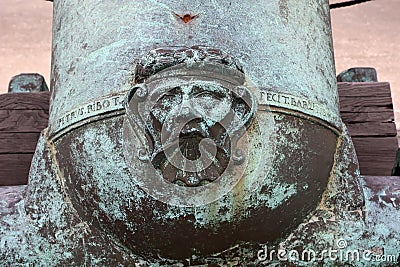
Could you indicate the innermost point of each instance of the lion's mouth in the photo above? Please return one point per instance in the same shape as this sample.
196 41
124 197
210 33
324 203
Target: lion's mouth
196 157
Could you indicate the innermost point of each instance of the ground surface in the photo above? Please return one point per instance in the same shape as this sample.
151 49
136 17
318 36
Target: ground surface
364 35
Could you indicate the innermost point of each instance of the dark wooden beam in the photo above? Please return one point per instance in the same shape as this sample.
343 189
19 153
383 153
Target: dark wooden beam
11 143
22 117
25 101
367 111
23 121
14 168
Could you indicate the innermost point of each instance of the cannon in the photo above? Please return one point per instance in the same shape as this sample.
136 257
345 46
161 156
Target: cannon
188 132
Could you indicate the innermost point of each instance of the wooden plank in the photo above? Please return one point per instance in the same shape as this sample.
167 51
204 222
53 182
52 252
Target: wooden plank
369 89
352 117
365 104
370 129
14 168
376 145
18 101
20 121
376 155
368 166
11 143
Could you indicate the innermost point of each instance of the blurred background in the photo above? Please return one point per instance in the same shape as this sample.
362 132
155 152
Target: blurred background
365 35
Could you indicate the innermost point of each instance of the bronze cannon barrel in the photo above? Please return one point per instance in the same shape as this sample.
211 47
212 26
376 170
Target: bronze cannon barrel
184 128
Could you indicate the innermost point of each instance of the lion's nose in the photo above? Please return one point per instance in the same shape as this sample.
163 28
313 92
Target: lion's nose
184 115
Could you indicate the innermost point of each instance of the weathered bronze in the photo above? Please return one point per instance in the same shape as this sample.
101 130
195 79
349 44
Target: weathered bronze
180 107
358 75
27 82
179 144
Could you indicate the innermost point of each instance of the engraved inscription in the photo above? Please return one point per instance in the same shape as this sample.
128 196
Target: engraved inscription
271 97
88 110
302 104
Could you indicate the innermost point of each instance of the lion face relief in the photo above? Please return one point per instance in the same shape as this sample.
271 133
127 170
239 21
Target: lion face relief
192 117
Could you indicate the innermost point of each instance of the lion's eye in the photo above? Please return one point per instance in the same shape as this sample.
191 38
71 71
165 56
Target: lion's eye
205 95
210 95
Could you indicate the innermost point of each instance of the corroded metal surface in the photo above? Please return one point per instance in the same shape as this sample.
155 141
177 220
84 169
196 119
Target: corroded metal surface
27 82
245 206
45 230
288 196
282 47
10 196
101 189
192 116
358 75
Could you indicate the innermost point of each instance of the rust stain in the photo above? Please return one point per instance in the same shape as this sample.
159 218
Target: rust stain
284 10
186 18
